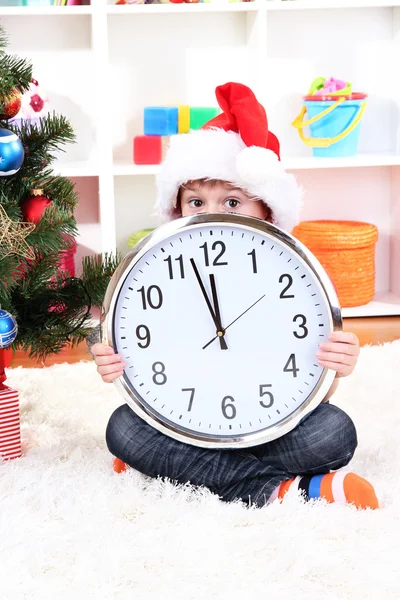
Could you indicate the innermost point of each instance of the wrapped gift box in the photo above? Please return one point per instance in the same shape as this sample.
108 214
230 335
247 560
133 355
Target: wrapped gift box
10 428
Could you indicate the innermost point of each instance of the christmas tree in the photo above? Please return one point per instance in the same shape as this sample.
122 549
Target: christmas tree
38 227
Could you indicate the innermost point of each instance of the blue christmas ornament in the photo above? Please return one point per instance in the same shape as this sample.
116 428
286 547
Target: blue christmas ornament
11 153
8 329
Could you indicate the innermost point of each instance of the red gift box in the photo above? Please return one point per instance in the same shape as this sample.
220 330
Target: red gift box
10 429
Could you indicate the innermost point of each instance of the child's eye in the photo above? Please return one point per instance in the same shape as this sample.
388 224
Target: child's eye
196 202
232 202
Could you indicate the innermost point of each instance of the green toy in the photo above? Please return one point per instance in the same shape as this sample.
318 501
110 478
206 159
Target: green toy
137 236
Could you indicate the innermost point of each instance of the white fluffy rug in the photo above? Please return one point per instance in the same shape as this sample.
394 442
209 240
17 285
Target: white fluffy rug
71 528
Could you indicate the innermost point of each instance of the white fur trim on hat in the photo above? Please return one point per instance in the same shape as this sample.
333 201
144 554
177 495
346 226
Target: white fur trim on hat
218 154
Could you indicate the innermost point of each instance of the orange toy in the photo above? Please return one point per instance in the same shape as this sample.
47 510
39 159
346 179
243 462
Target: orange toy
119 465
346 249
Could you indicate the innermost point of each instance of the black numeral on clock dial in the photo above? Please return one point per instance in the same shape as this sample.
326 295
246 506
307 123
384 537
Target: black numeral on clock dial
159 377
153 297
253 259
304 331
216 261
264 392
192 391
144 337
170 266
289 280
228 408
290 366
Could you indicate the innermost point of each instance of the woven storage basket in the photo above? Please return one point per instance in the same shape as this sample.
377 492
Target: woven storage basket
346 249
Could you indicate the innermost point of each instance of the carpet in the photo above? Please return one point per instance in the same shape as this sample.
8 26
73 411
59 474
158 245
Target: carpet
72 528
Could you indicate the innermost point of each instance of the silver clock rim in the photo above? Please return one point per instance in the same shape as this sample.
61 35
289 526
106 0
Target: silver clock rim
206 440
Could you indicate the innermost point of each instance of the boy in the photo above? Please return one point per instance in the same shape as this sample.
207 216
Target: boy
233 165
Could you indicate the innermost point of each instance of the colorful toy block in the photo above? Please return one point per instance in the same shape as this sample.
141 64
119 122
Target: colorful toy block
199 115
147 149
160 120
183 119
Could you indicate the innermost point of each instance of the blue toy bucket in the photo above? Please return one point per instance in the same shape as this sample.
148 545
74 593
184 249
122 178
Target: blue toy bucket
334 124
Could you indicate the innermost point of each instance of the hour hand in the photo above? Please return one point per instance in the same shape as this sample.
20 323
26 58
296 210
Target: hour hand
220 332
220 329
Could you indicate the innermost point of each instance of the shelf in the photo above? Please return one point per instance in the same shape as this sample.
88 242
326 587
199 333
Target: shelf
29 11
361 160
276 5
271 5
384 305
291 164
152 9
131 169
76 169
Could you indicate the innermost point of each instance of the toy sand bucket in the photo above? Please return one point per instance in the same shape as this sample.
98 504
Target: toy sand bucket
334 124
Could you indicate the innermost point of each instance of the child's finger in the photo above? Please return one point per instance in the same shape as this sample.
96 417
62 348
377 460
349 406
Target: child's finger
110 369
112 377
108 360
101 349
344 336
336 358
341 370
339 348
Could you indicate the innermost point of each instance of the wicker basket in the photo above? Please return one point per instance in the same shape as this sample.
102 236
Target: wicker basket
346 249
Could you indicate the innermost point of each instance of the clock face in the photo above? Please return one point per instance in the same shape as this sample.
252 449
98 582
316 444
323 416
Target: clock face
218 325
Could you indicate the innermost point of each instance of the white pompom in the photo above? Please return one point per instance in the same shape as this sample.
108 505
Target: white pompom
257 165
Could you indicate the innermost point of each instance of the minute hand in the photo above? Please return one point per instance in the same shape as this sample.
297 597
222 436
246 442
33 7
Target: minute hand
220 332
234 321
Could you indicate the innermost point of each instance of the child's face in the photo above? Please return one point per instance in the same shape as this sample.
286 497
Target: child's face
219 197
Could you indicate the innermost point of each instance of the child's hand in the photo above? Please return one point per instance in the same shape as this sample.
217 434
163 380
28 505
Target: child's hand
340 353
109 364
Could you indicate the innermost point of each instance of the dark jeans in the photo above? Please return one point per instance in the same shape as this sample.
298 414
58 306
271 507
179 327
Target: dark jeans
325 440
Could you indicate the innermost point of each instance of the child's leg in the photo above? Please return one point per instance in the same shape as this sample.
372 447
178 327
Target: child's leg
325 440
229 473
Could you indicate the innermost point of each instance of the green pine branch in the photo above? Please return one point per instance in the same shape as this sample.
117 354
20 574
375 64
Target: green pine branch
96 275
60 189
9 278
48 241
16 73
3 40
62 307
41 141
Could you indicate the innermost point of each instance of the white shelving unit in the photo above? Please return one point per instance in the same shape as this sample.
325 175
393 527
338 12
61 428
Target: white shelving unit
101 64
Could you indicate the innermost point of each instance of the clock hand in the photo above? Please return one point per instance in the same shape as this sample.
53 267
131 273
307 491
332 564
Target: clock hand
216 304
234 321
220 331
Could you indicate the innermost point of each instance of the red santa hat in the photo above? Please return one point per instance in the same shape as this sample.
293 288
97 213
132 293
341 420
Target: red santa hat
237 147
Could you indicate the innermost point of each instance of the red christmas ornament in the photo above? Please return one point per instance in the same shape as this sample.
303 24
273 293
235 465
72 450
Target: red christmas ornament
33 207
36 102
12 105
